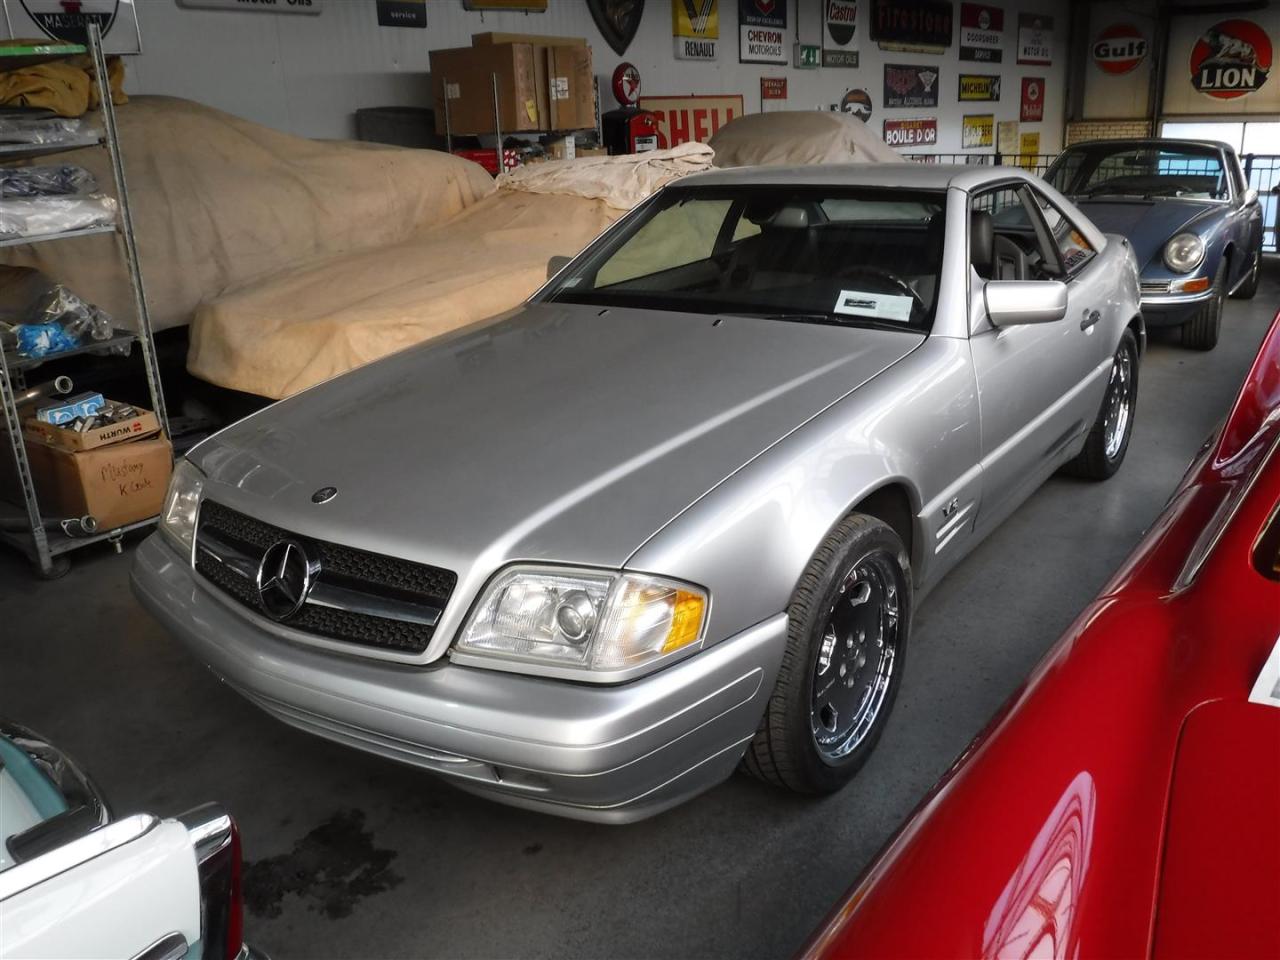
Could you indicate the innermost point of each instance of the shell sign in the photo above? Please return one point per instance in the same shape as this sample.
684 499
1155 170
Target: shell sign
1231 59
1119 48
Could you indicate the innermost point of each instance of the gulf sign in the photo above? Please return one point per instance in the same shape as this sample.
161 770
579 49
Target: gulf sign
1231 59
692 118
1119 48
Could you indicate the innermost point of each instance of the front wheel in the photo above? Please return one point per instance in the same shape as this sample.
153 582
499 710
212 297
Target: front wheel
1108 440
1201 331
846 639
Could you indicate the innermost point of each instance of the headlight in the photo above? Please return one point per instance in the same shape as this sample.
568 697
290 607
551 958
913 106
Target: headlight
178 518
584 619
1184 253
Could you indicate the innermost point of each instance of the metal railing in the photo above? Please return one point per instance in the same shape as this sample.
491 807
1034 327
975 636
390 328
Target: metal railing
1261 171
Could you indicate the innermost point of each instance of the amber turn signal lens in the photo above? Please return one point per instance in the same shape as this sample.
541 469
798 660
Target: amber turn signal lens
1198 285
686 621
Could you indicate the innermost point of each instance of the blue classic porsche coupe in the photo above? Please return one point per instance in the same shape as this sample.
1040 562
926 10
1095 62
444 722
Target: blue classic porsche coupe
1193 221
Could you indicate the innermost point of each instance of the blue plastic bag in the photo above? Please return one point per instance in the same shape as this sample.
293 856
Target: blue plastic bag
43 339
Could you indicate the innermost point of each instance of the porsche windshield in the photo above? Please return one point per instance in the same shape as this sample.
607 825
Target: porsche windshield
860 257
1147 170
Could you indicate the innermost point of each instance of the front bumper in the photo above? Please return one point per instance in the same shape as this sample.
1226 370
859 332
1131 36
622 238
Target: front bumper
603 753
1173 309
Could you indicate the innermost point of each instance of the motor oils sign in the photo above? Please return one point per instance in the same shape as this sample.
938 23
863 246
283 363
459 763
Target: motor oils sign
918 132
1119 48
840 41
762 31
981 32
691 118
1231 59
1035 39
696 27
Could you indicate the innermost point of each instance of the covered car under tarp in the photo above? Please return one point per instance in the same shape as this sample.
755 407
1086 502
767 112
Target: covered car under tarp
294 329
218 201
798 137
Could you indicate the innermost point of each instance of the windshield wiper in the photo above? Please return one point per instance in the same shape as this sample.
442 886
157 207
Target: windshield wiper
830 319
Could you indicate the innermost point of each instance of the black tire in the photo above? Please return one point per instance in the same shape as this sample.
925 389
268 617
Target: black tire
1104 450
1250 285
785 750
1201 331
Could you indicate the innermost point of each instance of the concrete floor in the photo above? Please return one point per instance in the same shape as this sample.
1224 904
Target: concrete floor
355 856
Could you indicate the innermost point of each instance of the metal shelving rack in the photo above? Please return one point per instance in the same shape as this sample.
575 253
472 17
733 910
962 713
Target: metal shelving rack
24 527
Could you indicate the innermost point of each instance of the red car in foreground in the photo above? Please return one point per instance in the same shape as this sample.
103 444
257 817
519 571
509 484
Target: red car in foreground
1126 801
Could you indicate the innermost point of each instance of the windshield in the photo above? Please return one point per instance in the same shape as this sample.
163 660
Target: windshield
1141 170
858 257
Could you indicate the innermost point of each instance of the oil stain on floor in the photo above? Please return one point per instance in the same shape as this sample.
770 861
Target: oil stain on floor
331 869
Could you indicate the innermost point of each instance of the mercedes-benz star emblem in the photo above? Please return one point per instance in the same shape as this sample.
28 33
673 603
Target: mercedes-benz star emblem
284 579
324 494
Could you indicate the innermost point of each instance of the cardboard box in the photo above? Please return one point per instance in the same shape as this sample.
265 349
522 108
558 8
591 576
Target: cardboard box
118 484
144 424
539 88
538 40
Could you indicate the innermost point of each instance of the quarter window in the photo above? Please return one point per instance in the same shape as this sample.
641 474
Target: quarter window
1073 247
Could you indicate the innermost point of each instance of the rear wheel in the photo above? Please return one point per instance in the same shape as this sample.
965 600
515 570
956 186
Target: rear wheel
1201 331
846 638
1250 285
1108 440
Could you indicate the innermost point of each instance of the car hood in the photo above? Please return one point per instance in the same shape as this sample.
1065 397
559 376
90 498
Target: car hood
1147 223
558 432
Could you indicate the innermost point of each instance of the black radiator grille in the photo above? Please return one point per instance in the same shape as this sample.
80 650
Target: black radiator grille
358 572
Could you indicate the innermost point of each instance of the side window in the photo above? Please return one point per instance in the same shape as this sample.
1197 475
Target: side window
1073 248
1012 251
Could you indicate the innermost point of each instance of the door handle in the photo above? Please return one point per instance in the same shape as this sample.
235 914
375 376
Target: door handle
1090 318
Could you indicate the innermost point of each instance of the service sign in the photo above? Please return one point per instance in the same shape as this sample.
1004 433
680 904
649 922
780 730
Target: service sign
402 13
979 86
1119 48
695 25
917 25
981 32
840 36
691 118
909 85
762 31
1231 59
68 22
1032 109
1035 39
978 130
920 132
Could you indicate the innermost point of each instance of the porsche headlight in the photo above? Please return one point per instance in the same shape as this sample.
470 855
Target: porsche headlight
584 619
1184 253
178 518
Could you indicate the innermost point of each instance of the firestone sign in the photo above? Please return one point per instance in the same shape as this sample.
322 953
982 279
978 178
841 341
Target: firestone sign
1231 59
1119 48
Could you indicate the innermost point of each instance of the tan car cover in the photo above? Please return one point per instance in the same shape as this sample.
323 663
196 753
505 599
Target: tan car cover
289 331
219 201
797 137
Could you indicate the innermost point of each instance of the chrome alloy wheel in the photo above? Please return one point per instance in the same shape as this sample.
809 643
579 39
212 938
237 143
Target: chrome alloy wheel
1119 403
856 659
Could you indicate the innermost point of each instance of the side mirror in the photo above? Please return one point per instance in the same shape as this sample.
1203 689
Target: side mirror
1014 302
556 264
1250 197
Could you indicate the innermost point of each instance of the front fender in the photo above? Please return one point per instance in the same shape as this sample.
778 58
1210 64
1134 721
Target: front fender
749 539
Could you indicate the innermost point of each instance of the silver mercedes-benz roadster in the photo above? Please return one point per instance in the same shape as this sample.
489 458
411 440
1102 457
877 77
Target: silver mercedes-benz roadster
672 515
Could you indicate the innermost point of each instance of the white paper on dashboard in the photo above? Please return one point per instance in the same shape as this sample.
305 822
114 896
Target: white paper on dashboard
881 306
1266 689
